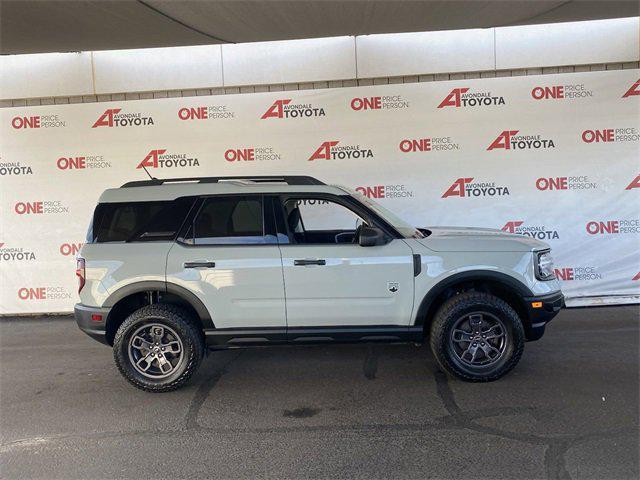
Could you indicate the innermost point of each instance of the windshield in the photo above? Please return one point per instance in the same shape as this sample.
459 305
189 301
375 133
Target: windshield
406 229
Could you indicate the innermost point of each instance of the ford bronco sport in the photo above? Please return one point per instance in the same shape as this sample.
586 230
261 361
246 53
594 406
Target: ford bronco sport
174 267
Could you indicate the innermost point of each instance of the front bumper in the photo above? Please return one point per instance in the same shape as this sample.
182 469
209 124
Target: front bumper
541 310
87 320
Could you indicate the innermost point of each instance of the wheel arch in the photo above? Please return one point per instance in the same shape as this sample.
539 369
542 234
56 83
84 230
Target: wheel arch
131 297
499 284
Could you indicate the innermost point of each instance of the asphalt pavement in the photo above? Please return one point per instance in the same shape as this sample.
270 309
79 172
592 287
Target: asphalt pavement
568 410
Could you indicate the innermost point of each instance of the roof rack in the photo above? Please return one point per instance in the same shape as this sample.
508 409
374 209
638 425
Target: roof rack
288 179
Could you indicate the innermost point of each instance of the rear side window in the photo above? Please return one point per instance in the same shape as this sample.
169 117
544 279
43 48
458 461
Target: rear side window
232 220
138 221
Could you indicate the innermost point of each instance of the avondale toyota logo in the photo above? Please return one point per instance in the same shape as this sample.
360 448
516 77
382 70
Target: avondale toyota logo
510 140
113 118
536 231
462 97
8 169
466 187
633 90
161 159
15 254
331 151
285 109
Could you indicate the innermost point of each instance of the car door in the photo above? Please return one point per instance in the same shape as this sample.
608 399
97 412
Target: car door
227 255
331 281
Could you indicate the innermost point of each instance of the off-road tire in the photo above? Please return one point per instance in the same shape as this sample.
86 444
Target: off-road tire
181 322
463 304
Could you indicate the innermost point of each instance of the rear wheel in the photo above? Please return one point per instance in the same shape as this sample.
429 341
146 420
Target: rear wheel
477 337
158 347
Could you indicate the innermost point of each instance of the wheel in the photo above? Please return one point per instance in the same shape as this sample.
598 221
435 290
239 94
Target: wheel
158 347
477 337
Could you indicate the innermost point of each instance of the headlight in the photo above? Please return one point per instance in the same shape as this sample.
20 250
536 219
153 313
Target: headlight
544 267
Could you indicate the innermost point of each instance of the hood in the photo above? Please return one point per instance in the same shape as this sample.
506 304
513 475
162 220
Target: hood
469 239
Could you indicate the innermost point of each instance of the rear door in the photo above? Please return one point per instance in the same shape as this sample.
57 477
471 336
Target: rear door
228 256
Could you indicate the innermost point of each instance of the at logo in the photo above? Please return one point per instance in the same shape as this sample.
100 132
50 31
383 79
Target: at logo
453 99
151 160
113 118
463 187
106 119
510 140
460 98
457 188
283 109
324 151
635 183
159 159
539 232
511 226
503 140
634 90
276 110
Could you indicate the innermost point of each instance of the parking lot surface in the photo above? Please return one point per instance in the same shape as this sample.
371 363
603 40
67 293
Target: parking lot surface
568 410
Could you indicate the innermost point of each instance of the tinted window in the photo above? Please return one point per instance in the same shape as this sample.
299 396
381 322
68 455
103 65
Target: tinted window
230 220
138 221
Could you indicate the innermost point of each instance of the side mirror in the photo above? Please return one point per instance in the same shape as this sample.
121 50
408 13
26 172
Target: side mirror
371 236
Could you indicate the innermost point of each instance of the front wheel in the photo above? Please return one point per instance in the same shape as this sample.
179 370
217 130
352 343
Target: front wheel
158 347
477 337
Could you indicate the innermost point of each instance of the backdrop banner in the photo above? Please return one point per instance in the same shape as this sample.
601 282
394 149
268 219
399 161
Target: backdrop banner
555 157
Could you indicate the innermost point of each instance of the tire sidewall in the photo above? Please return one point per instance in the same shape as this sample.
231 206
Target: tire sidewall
169 319
480 303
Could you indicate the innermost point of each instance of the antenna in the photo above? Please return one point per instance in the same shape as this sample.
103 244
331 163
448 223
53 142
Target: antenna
145 169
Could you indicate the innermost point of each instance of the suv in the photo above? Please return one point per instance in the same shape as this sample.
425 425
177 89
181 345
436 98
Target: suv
174 267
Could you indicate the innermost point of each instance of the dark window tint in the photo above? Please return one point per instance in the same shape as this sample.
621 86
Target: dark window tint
230 221
139 221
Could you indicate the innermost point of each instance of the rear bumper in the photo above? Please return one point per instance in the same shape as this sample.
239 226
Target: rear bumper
87 320
539 316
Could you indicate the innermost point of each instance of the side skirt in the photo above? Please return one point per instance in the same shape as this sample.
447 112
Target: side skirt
247 337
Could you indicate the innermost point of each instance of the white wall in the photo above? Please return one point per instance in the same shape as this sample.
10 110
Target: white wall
323 59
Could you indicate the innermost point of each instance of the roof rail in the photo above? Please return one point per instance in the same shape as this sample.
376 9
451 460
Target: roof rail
288 179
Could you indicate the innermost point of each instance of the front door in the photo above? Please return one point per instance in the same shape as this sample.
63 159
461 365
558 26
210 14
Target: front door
228 256
332 281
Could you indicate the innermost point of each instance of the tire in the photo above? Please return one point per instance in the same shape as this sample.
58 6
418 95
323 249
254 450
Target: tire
469 356
170 359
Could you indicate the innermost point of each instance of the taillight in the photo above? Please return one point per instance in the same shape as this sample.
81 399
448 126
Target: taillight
80 273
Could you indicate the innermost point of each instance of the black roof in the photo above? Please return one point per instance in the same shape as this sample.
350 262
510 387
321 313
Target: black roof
288 179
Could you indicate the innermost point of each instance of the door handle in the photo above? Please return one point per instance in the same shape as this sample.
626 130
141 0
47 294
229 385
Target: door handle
199 264
302 262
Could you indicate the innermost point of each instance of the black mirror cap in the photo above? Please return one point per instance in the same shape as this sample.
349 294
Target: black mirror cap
371 236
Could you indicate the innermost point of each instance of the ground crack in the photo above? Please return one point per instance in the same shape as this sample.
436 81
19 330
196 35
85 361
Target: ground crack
370 367
203 391
556 447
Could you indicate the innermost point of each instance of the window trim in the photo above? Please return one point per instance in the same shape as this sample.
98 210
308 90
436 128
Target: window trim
268 223
92 224
346 201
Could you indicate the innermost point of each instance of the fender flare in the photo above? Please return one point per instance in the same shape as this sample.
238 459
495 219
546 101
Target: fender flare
183 293
473 275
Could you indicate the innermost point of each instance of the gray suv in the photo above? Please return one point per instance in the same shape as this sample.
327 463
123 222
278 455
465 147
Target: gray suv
174 267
